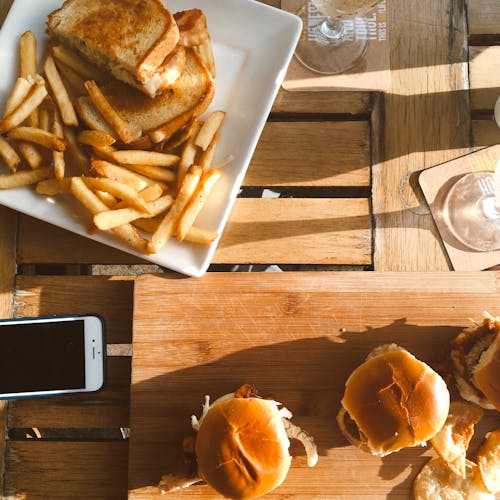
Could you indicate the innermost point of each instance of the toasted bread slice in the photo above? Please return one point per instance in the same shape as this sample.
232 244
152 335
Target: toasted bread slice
165 76
160 117
194 33
128 37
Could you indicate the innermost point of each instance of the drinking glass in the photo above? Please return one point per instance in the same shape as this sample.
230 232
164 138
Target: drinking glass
472 211
329 43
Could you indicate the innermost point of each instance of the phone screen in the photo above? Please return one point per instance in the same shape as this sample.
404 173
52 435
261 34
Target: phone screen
42 356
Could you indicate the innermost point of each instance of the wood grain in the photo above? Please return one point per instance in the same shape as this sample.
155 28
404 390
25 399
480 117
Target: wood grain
343 103
111 298
259 231
108 408
297 231
107 296
4 10
44 469
484 17
312 154
8 232
484 71
485 133
425 121
297 336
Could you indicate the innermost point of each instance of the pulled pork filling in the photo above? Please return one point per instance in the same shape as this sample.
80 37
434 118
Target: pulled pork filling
470 344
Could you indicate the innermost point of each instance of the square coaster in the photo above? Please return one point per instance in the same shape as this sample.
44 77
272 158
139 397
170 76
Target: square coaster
436 183
372 73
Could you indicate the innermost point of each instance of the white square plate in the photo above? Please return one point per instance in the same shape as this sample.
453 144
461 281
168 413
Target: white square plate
253 44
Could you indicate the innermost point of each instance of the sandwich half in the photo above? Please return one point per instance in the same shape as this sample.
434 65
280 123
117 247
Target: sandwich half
136 40
160 117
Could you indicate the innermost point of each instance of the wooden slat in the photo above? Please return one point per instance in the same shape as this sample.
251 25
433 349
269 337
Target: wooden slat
484 70
41 242
8 231
297 231
41 469
312 154
485 133
108 408
325 231
484 17
355 103
4 9
303 334
110 297
425 121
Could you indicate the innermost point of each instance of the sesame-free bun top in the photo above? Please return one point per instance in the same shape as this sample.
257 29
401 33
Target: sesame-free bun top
395 400
242 447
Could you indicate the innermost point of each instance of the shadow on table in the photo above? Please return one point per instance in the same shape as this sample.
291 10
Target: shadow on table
307 375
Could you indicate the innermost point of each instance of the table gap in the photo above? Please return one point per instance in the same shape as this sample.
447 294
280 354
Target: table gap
68 434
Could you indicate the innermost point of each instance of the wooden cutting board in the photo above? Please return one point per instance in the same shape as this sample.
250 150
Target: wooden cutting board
297 336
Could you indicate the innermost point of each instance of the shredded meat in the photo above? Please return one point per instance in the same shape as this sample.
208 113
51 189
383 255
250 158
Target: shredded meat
246 391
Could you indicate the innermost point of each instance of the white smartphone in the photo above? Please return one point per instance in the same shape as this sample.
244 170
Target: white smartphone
51 355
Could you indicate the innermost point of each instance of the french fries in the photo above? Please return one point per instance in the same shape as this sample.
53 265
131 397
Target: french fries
151 193
200 235
96 138
30 153
19 93
119 216
207 156
120 190
94 205
124 131
138 157
34 99
188 155
8 153
38 136
76 153
58 156
195 204
167 226
44 115
27 54
25 177
60 93
51 187
156 173
120 174
28 65
129 184
209 129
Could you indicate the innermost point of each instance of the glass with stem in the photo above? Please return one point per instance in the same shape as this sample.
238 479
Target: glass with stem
472 210
329 44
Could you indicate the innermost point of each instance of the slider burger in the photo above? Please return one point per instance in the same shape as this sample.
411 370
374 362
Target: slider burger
475 354
392 401
241 445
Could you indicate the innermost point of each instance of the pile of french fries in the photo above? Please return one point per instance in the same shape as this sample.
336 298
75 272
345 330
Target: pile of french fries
142 192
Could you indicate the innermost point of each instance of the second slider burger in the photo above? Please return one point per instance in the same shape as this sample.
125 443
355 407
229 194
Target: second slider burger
393 401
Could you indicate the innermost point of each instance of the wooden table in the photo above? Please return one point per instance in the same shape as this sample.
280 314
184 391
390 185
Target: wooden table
345 163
